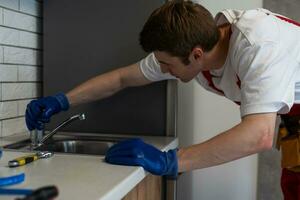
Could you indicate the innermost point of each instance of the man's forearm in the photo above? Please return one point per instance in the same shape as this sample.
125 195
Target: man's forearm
242 140
96 88
107 84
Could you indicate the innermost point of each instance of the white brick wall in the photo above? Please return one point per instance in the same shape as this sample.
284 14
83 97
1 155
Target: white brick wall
1 54
22 106
29 73
10 36
11 126
14 55
30 7
8 109
8 73
13 91
1 16
21 21
20 61
12 4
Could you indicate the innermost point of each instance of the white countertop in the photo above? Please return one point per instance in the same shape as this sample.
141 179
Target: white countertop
80 176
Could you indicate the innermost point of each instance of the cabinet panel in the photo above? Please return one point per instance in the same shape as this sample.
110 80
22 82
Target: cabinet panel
148 189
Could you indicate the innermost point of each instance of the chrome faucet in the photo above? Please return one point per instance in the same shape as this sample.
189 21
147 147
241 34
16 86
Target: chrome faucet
54 131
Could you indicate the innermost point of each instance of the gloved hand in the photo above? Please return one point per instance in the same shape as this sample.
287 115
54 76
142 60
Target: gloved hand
137 153
40 111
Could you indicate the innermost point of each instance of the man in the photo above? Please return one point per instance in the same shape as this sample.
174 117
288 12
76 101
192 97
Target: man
250 57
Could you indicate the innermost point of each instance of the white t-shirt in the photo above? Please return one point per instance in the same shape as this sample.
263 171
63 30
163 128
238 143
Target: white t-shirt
261 70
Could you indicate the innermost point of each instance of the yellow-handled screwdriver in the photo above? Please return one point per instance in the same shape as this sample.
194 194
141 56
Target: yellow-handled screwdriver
29 158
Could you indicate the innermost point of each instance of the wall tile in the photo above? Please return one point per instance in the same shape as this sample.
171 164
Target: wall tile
1 16
15 55
21 21
30 40
13 91
19 24
12 4
1 54
8 109
8 73
22 106
31 7
29 73
9 36
13 126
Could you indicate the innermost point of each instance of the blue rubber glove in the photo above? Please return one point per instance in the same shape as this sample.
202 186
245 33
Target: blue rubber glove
40 111
137 153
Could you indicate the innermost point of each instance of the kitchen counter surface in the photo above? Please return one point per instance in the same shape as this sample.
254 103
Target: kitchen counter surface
79 176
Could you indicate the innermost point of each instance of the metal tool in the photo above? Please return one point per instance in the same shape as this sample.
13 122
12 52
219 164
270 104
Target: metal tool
45 193
30 158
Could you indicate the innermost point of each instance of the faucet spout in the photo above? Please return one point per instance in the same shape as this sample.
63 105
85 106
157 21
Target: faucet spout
64 123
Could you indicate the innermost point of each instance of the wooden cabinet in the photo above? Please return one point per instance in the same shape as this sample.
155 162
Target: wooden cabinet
148 189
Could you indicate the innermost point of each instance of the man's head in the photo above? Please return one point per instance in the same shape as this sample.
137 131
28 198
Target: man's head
177 28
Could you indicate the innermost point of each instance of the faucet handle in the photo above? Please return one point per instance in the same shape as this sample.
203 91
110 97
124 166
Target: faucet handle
78 116
82 116
36 136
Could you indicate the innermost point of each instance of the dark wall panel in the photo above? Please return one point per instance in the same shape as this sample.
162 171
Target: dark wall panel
86 38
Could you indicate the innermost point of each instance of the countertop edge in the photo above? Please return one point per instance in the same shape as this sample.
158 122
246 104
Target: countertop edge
120 190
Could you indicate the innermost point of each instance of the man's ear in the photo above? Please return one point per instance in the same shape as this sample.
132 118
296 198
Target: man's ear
196 54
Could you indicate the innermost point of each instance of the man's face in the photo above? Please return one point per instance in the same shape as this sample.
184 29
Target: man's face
174 66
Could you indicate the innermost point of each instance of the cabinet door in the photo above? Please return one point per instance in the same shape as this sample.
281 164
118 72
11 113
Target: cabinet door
148 189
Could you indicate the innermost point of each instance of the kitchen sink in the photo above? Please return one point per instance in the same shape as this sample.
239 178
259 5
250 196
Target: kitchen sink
75 143
77 146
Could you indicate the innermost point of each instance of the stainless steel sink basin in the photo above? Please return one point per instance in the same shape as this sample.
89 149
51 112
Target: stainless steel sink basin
78 146
76 143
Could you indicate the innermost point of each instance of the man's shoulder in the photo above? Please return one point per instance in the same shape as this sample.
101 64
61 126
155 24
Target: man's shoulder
256 25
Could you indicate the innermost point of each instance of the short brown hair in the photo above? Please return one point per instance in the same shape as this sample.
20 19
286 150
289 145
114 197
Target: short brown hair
177 27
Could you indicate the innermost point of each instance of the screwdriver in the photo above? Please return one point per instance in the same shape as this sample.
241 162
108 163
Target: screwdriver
28 159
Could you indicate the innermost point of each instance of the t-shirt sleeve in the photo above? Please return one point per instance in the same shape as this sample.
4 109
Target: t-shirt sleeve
267 79
151 69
